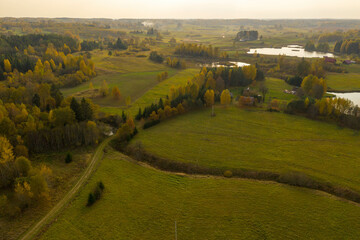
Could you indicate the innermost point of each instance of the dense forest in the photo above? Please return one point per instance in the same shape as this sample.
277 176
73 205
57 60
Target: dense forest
34 115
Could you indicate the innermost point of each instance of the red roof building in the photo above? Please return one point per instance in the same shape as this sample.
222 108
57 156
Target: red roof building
330 60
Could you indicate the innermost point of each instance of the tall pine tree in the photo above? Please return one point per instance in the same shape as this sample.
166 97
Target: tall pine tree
86 109
75 106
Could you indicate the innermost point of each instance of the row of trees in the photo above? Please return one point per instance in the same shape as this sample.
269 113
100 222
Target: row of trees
195 50
321 47
247 36
347 46
162 76
38 42
342 111
175 63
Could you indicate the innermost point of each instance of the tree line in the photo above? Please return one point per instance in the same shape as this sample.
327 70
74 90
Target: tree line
195 50
205 88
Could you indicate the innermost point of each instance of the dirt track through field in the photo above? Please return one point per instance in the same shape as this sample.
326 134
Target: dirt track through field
35 228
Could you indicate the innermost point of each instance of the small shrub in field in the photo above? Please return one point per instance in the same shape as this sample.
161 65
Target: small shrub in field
228 174
101 185
68 158
96 193
91 199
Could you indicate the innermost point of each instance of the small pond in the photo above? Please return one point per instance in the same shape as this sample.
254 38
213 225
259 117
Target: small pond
290 50
352 96
225 64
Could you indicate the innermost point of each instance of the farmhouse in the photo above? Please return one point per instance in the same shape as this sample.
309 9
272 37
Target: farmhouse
330 60
348 62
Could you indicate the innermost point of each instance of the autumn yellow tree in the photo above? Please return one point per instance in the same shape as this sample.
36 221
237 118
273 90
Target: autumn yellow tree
180 108
6 150
225 97
209 97
6 160
249 72
210 83
31 50
116 93
154 116
104 90
128 101
314 87
7 65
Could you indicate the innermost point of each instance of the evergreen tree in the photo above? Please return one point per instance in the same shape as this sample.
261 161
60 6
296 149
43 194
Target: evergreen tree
75 106
161 103
56 94
91 199
86 109
68 158
101 185
138 116
36 100
123 116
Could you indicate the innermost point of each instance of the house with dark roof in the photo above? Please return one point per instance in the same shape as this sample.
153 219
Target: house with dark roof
348 62
329 60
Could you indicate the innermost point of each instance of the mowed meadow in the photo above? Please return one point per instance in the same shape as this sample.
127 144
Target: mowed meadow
144 203
255 139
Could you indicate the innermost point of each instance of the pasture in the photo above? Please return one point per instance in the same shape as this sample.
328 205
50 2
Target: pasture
346 82
258 140
143 203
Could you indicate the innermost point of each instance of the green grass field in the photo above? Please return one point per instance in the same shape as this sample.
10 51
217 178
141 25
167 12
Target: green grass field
130 84
353 68
124 64
259 140
143 203
276 89
344 81
133 76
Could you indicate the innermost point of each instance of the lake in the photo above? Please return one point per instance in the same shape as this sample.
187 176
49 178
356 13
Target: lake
352 96
290 50
227 64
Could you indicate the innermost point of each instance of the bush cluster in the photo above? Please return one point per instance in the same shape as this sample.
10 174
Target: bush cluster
95 194
68 158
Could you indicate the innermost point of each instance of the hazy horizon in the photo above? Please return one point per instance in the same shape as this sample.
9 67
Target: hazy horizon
186 9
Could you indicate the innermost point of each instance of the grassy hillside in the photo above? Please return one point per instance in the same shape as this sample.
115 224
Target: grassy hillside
158 91
255 139
142 203
132 75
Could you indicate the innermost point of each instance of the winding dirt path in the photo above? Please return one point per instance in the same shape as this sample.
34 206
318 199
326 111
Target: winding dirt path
34 229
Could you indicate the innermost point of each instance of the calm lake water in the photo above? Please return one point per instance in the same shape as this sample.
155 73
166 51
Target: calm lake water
229 64
290 50
352 96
